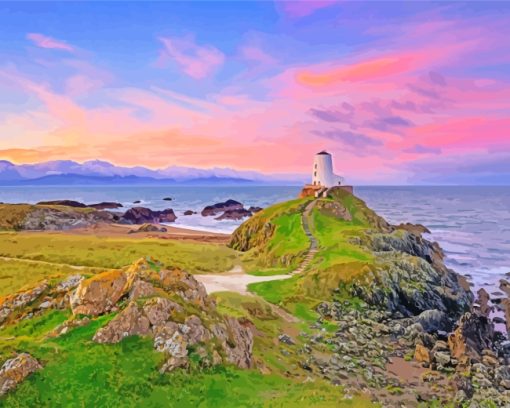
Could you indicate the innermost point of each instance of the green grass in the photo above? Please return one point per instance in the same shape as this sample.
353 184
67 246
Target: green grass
80 373
16 275
276 291
284 248
103 252
269 271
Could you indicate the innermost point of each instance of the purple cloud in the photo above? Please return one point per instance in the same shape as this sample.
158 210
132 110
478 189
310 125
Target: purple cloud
356 143
422 149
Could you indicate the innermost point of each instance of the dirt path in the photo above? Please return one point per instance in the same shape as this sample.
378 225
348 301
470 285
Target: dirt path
34 261
237 279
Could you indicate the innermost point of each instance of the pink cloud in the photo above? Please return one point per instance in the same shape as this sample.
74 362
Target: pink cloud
256 54
197 61
44 41
302 8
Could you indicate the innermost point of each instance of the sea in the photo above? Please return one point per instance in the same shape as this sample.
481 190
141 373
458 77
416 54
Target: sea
471 223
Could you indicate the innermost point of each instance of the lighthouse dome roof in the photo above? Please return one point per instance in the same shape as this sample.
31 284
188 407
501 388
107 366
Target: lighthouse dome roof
323 153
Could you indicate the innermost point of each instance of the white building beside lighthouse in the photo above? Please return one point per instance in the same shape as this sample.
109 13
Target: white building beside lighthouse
323 174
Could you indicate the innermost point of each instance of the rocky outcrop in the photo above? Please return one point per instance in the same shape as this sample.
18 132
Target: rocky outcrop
64 218
189 212
409 277
167 199
15 370
14 303
142 215
129 322
67 203
234 215
105 205
416 229
173 327
99 294
474 334
148 228
255 209
221 207
237 340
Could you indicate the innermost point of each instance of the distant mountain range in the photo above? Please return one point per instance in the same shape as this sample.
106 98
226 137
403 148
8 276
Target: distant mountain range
97 172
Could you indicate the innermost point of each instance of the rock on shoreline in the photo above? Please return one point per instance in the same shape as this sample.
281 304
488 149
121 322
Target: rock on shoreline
142 215
221 207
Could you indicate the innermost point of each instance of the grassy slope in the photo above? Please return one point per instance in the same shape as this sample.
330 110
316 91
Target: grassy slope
115 252
80 373
338 259
16 275
285 248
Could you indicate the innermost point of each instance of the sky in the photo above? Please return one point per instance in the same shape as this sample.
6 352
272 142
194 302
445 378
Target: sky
399 92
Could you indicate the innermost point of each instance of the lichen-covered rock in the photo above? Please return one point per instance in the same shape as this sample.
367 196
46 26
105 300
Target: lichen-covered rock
129 322
15 370
10 304
98 294
237 341
69 283
169 339
158 310
185 285
140 289
194 331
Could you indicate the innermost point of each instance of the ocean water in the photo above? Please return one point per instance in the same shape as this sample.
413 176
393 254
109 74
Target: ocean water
472 224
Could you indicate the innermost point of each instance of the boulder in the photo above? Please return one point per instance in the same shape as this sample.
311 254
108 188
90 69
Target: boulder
98 294
15 370
148 228
159 310
167 199
422 354
185 285
221 207
129 322
482 300
140 289
142 215
105 205
189 212
473 334
433 321
194 330
504 285
236 338
234 215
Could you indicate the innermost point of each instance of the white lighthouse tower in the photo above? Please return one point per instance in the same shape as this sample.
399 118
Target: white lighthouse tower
323 171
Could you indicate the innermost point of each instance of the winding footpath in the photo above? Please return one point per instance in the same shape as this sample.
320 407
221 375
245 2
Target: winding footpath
237 280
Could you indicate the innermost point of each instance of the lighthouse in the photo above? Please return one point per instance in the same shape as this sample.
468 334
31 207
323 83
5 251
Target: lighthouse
323 174
324 180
